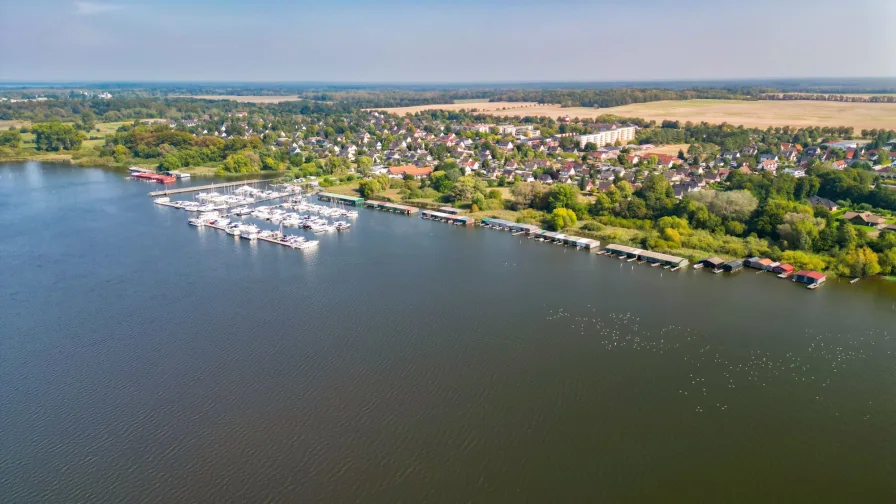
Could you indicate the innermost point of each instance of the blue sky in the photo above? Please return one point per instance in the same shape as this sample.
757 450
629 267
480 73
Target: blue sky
433 41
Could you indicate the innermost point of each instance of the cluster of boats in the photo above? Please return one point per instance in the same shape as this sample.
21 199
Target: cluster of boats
241 197
250 232
303 206
291 219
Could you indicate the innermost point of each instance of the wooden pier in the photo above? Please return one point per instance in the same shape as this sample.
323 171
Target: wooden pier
180 190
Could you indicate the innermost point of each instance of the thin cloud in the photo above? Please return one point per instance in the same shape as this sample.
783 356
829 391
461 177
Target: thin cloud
88 8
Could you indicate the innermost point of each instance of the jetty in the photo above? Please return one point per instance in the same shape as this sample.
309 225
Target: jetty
181 190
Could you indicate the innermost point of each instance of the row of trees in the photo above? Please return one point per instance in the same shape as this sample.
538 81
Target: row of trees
757 215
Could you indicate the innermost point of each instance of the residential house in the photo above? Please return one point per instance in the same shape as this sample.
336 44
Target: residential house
790 154
769 165
525 176
823 202
864 219
414 171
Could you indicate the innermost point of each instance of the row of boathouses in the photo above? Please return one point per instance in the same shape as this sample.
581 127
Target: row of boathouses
812 278
451 215
646 255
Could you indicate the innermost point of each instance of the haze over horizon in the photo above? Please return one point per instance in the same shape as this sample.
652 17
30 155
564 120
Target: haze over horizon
401 41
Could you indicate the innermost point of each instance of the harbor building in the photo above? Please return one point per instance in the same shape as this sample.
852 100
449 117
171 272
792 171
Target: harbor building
809 277
647 255
391 207
340 198
460 220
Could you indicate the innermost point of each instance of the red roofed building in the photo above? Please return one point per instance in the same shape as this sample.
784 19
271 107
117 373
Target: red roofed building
809 277
412 170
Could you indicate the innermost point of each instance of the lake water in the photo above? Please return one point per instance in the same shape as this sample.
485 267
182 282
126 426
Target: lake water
145 360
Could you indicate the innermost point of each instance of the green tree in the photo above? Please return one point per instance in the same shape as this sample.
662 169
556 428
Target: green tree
562 218
464 188
887 260
478 200
562 196
270 164
369 188
440 182
121 153
237 163
364 165
88 119
56 136
10 138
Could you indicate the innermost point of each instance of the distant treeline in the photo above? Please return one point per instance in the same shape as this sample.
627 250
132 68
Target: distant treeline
830 97
120 109
617 97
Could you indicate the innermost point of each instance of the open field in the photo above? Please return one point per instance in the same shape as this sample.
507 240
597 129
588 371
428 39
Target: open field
15 123
244 99
748 113
671 149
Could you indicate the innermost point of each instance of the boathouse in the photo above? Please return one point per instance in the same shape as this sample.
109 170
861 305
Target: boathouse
391 207
663 259
585 243
783 269
733 266
623 250
759 263
340 198
450 219
647 255
713 263
450 210
809 277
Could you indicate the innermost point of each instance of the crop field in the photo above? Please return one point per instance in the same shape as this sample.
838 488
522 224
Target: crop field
761 114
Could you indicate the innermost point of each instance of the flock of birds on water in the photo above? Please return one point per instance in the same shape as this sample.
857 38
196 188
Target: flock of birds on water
817 362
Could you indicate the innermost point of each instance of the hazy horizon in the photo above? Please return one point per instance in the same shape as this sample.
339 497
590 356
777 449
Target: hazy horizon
405 42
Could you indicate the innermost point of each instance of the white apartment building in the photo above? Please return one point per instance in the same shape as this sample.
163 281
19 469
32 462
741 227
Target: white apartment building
608 135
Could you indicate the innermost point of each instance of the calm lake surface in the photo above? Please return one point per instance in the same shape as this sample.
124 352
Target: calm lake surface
145 360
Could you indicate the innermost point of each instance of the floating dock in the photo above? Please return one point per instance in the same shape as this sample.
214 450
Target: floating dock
460 220
260 238
180 190
340 198
391 207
